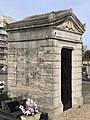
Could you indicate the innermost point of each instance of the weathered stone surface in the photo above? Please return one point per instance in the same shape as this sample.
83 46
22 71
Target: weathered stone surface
34 58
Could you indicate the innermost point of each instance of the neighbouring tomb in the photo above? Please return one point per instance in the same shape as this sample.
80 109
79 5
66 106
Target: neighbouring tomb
45 60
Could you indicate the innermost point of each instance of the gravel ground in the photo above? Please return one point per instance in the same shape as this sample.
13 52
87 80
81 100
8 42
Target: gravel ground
80 113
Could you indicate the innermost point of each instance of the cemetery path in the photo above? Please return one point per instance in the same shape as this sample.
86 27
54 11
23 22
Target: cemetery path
80 113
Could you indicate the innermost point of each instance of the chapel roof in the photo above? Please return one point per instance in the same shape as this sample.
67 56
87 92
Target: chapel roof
46 19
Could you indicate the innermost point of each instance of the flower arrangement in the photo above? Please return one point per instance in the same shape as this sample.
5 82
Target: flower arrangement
30 107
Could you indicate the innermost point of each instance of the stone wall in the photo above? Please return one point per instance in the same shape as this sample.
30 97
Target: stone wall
34 59
86 91
30 68
34 68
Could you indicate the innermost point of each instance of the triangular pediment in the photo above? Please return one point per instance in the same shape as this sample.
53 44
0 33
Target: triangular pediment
70 23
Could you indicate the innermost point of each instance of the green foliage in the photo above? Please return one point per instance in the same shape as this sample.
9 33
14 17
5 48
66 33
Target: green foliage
86 55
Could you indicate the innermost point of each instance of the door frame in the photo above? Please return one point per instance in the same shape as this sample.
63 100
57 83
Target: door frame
69 50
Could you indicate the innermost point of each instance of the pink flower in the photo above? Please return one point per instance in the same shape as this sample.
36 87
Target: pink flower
30 108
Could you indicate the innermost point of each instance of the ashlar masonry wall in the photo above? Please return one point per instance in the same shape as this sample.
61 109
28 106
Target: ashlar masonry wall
30 66
34 60
75 44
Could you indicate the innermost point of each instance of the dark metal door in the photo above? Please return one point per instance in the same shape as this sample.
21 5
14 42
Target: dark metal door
66 89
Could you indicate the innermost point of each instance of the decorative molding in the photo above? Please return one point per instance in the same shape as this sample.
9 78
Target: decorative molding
68 25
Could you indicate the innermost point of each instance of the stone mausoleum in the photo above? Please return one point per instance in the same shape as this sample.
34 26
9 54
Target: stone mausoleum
45 60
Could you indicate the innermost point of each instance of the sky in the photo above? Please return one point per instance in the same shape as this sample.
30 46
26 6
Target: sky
19 9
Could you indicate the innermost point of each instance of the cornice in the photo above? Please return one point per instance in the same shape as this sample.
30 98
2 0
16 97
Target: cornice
49 19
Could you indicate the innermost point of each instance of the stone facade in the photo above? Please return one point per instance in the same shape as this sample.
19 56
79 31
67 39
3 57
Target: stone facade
3 46
7 19
34 58
4 20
